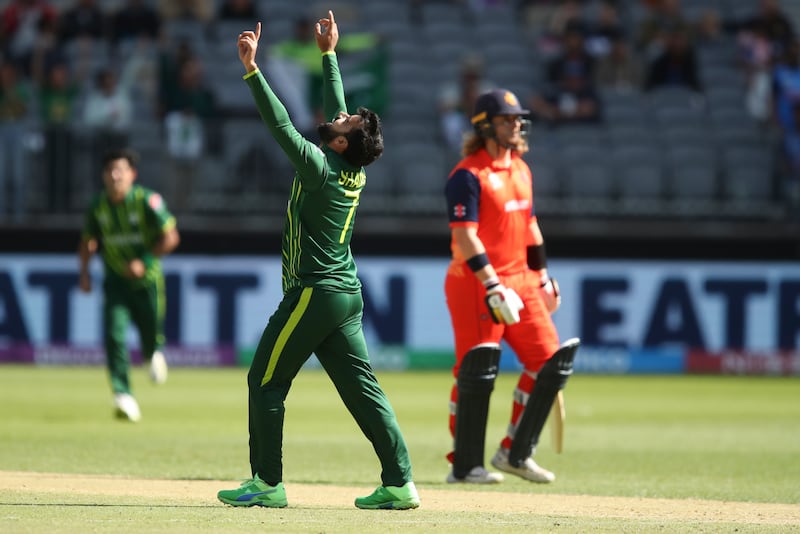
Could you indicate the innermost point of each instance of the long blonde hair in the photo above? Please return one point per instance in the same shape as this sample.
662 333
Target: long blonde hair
473 142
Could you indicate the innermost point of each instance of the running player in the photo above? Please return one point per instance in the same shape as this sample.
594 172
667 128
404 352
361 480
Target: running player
322 306
497 287
132 228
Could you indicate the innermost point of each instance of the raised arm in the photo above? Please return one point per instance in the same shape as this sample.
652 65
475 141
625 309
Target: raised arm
248 46
305 156
326 32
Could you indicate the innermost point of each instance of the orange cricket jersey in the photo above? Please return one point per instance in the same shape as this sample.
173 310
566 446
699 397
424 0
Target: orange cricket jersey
499 201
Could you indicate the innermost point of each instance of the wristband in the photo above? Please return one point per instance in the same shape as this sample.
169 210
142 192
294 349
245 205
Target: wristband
489 283
478 262
537 258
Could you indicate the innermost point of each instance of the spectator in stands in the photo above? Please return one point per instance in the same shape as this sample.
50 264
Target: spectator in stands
83 20
244 10
708 29
570 95
664 18
676 65
549 21
58 95
297 60
197 10
621 69
170 63
602 31
135 20
191 91
58 98
45 51
457 100
567 14
786 98
786 86
14 110
776 25
790 159
83 35
108 110
574 59
301 52
189 109
755 55
535 14
19 27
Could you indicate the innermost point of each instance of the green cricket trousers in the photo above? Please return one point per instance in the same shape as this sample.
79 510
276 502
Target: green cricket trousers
145 305
328 324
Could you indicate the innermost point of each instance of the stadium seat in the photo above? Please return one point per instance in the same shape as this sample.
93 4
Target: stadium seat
377 11
422 170
724 53
621 135
681 135
433 12
639 182
624 114
380 177
506 51
723 118
739 135
684 116
546 179
721 76
583 153
748 183
520 78
584 178
675 97
693 181
402 130
589 135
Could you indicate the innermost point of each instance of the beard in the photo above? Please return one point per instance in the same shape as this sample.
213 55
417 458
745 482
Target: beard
326 132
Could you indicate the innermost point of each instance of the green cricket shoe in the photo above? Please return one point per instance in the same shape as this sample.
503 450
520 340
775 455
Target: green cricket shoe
390 498
255 492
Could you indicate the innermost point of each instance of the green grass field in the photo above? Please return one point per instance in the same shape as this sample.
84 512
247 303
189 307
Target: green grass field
679 438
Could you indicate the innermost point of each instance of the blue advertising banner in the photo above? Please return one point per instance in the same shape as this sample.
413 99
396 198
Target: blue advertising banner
632 316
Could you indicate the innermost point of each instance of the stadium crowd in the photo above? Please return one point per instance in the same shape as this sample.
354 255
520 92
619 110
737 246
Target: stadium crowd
676 107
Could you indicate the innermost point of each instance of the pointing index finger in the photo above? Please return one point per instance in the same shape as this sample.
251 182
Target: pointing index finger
258 31
330 16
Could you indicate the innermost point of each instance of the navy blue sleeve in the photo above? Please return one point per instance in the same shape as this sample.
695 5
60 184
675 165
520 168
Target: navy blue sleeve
463 193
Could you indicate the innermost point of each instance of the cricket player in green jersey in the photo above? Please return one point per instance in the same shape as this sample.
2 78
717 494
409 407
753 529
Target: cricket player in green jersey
322 306
132 228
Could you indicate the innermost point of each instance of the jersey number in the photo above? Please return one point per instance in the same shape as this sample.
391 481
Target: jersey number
354 195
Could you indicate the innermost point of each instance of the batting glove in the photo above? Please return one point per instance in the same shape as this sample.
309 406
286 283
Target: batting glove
550 294
504 304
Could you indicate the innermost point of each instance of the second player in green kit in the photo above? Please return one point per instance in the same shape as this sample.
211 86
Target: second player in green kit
321 311
131 227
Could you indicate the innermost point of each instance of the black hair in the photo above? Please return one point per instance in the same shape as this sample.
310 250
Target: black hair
121 153
364 144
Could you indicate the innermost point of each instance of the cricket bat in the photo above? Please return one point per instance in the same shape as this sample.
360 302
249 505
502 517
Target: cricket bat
558 413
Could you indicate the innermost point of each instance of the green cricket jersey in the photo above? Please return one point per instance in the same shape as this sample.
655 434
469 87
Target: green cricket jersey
325 192
128 230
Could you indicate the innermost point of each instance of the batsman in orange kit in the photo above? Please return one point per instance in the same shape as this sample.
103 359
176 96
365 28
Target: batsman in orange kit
497 287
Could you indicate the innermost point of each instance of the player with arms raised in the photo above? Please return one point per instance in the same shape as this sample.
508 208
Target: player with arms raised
322 306
497 287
